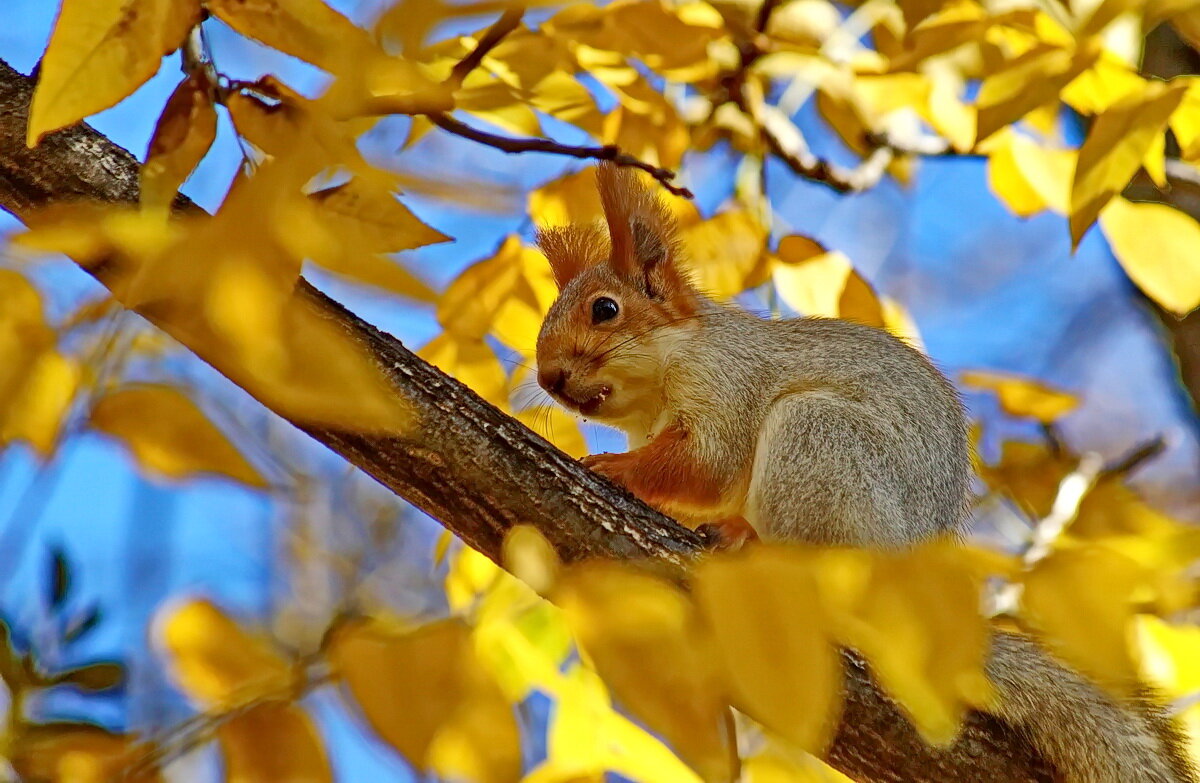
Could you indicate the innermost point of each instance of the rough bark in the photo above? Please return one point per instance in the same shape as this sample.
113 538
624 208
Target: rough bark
479 472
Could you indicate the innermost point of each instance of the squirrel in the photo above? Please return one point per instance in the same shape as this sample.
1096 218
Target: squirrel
813 430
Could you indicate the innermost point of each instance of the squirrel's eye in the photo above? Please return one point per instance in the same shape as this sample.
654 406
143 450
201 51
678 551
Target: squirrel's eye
604 309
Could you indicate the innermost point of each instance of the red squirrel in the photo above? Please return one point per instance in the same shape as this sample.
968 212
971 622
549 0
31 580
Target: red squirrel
808 430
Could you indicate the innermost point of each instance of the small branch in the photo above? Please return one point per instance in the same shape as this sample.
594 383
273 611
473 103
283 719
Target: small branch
609 152
1134 459
507 22
1073 488
784 140
763 18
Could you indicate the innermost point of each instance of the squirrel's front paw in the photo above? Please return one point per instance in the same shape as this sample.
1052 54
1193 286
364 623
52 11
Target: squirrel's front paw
611 466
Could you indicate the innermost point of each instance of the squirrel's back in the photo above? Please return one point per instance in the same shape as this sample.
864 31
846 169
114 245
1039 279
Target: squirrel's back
872 430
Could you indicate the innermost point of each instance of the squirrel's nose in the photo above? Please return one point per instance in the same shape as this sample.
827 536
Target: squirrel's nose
553 379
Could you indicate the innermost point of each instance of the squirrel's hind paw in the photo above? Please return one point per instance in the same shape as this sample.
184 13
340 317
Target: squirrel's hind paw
727 535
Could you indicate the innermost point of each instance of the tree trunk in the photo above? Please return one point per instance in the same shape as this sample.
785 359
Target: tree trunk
480 472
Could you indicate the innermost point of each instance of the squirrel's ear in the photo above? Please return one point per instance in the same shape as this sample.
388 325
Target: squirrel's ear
642 231
571 249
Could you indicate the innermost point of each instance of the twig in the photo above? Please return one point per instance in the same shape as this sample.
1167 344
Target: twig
1126 464
784 140
609 152
763 18
1073 488
507 22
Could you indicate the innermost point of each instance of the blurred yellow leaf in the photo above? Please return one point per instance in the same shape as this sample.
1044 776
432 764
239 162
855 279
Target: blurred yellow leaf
1157 247
727 252
36 412
573 198
1024 396
1029 474
1116 145
76 753
771 637
362 221
308 29
273 742
470 305
37 383
645 639
214 661
425 694
169 435
1027 82
1107 82
774 768
588 737
1171 655
825 285
916 619
1027 176
184 133
1080 600
1185 122
100 52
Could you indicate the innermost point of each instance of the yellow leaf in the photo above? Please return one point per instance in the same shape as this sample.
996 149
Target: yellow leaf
1024 396
573 198
76 753
100 52
181 139
308 29
727 253
471 361
557 426
286 125
1157 247
273 742
1115 147
468 308
1025 83
1080 600
365 220
826 285
645 639
214 661
588 738
775 768
1107 82
36 412
169 435
1185 122
425 694
770 633
1029 474
1028 177
916 619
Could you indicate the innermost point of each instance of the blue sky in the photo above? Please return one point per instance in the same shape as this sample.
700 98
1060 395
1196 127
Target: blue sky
987 289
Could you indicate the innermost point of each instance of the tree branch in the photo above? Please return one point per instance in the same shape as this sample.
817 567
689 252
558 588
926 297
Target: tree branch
480 472
609 152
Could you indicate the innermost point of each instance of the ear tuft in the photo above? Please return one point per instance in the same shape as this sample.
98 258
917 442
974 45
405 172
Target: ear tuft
571 249
642 231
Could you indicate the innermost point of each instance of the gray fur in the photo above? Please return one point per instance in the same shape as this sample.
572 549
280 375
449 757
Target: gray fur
853 436
856 439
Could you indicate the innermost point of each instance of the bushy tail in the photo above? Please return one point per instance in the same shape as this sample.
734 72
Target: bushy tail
1088 735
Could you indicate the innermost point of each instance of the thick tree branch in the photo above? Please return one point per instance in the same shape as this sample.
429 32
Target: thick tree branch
480 472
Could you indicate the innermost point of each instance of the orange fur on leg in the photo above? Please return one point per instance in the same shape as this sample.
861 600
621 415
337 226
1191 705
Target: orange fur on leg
663 473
